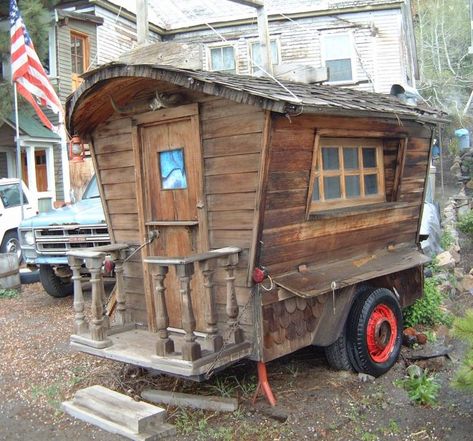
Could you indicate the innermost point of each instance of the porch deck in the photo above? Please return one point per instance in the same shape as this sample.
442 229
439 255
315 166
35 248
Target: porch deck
184 352
137 347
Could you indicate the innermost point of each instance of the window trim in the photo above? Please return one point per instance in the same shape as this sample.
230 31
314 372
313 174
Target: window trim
313 207
324 45
75 77
218 46
251 42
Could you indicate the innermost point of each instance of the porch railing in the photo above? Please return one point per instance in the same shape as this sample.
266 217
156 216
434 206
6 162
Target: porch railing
206 263
96 332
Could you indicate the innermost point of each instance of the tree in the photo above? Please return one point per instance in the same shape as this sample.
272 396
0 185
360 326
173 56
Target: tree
443 38
36 16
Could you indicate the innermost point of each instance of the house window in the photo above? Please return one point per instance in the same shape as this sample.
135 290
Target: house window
338 57
223 59
347 172
79 57
256 56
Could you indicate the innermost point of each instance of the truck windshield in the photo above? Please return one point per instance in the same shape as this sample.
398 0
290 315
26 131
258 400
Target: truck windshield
92 190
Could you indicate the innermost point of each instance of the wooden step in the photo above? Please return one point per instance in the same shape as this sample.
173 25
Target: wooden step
118 413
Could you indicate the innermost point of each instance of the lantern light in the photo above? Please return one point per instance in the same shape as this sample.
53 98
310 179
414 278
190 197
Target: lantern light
76 149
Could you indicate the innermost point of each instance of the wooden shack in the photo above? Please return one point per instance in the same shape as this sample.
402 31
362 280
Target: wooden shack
249 218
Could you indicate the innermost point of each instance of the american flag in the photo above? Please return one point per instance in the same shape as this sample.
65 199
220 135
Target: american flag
28 73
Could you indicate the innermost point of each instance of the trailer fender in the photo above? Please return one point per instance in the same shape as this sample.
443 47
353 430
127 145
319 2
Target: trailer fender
334 316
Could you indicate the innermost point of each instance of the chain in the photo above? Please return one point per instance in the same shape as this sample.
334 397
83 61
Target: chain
231 328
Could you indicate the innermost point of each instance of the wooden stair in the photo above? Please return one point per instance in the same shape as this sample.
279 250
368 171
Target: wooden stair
120 414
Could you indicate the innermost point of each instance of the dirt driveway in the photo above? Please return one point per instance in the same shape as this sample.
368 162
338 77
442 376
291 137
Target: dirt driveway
38 371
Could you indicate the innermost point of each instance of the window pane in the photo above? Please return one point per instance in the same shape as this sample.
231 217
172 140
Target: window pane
339 70
350 158
330 158
371 184
332 187
352 186
172 168
216 58
228 58
337 46
369 157
316 191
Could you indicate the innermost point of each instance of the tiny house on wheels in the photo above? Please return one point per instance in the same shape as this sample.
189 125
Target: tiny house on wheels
249 219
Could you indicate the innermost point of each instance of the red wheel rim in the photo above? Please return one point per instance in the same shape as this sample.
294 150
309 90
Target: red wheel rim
381 333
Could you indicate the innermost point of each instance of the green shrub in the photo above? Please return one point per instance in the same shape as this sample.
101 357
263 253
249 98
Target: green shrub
421 387
465 224
428 309
446 239
8 293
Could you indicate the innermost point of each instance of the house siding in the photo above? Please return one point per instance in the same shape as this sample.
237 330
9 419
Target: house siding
64 67
116 35
379 59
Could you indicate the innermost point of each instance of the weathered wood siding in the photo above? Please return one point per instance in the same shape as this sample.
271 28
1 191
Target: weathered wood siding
290 240
63 43
232 136
378 44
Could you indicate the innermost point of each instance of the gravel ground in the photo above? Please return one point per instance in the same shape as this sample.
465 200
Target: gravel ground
38 371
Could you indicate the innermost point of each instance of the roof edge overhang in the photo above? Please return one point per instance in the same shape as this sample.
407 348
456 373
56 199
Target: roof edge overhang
275 17
189 79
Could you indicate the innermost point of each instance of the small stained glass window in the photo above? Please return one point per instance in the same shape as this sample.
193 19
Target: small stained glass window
173 169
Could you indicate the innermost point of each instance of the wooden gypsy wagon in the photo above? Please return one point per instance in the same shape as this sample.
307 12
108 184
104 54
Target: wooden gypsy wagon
249 219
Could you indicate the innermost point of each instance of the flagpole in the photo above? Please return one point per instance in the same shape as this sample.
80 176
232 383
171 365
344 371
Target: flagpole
18 150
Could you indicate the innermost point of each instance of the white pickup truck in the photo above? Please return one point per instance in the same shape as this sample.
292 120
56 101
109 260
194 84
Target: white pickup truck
10 213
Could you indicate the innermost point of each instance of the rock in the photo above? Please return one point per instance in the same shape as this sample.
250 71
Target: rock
455 168
421 338
465 284
455 255
445 260
469 184
365 378
433 364
464 209
459 274
410 331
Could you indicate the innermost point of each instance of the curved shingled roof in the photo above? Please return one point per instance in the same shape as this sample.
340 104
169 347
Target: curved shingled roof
281 97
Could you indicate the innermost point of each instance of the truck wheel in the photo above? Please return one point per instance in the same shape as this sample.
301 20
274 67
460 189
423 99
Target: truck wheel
54 285
374 332
11 244
337 355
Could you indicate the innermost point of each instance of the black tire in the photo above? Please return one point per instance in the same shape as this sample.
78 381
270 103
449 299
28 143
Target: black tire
337 355
54 285
374 332
11 244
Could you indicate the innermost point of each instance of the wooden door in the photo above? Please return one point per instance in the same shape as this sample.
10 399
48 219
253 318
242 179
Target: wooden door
173 202
40 167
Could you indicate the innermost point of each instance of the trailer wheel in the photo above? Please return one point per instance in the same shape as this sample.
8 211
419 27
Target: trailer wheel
337 355
374 332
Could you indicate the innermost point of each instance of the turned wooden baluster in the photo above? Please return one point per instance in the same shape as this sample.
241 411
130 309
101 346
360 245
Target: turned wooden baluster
190 348
80 322
164 345
121 318
98 324
229 264
207 267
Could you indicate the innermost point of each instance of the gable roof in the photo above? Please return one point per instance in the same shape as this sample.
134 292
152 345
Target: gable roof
282 97
29 126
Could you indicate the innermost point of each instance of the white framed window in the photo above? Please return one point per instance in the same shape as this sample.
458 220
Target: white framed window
222 58
339 57
255 54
